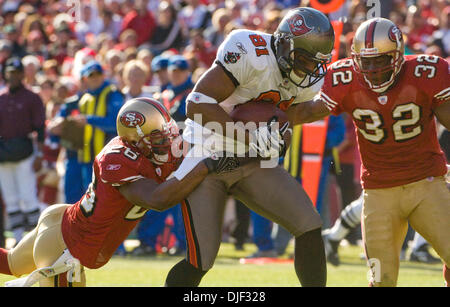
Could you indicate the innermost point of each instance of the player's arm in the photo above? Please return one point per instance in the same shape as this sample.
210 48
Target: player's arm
212 88
307 112
148 194
442 113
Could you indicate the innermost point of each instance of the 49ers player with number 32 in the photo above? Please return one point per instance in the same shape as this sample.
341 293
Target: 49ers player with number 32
130 176
394 100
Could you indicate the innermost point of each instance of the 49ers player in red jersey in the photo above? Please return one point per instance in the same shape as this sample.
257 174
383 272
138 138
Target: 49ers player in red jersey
130 176
393 100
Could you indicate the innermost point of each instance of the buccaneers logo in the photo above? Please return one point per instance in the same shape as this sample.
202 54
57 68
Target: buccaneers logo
132 119
297 25
231 57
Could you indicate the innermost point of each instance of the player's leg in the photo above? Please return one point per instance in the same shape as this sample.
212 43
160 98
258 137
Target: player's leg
27 188
348 219
431 218
10 194
19 260
384 229
274 194
203 214
49 247
420 250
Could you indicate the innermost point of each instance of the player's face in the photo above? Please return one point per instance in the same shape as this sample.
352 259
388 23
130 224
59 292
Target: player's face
377 69
304 65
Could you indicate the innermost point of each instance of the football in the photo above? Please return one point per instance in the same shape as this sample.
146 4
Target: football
260 112
257 111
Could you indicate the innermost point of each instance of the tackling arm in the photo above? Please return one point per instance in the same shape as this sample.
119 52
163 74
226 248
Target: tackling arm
307 112
148 194
442 113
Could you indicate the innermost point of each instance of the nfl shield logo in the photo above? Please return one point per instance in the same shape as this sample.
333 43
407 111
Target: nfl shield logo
382 100
158 171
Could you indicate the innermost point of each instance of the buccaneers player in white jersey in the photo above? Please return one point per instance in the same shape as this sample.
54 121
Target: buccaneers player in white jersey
130 176
394 100
285 68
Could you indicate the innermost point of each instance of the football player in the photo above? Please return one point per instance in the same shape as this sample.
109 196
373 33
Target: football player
394 100
130 177
285 68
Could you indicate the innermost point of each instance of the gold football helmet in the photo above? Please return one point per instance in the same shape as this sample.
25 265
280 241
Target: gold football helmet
377 53
145 125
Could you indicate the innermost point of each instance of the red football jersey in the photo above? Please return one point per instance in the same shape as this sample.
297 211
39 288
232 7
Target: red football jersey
94 227
396 130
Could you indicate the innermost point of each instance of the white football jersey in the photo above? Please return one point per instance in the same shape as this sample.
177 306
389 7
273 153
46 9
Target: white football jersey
248 57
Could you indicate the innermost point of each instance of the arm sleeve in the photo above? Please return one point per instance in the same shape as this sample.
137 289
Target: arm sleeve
116 169
38 117
441 84
334 91
108 123
235 57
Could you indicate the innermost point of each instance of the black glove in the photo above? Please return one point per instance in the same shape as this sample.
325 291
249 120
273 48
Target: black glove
222 164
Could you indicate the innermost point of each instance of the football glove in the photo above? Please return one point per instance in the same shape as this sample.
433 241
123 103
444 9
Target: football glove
222 164
267 141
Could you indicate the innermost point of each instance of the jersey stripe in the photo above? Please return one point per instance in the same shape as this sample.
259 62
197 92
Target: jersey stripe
444 94
330 103
192 246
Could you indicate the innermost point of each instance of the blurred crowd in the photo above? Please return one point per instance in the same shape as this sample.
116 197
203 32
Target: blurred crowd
160 49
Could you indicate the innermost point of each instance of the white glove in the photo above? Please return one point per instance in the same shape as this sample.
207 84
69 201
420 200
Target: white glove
267 141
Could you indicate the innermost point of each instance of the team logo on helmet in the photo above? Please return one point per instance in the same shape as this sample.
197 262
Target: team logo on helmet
395 34
297 25
132 119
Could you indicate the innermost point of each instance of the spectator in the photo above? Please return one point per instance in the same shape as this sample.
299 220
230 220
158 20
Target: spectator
216 32
140 20
21 112
135 73
159 67
168 33
13 35
418 31
127 39
111 23
194 15
174 96
201 49
31 65
99 106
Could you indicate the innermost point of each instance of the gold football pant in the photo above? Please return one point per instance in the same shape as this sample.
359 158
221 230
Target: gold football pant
41 248
425 204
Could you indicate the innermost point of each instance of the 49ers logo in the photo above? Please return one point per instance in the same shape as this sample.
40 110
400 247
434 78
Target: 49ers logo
132 119
297 25
395 34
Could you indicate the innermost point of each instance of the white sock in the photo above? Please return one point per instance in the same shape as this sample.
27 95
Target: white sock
338 231
418 241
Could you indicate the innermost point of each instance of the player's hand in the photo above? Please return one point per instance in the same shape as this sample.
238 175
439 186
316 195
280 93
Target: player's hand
267 141
222 164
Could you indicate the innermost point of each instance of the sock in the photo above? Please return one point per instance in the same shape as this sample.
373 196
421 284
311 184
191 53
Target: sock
446 272
339 231
184 274
310 261
351 215
4 266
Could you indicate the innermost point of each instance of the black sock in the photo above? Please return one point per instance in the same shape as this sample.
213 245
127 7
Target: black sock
310 262
184 274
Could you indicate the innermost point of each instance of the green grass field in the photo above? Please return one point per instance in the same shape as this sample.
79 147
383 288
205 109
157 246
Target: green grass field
228 272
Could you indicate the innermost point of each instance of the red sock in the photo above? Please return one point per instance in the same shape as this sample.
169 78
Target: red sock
4 266
446 271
